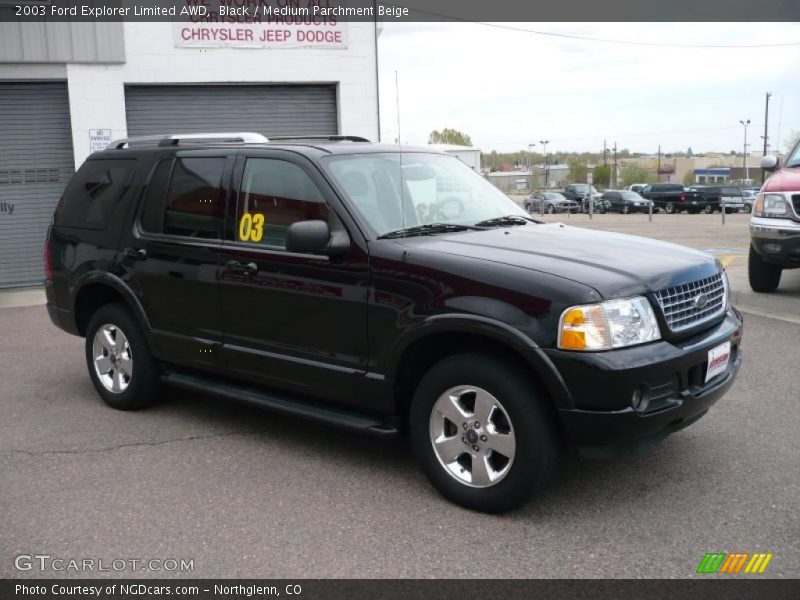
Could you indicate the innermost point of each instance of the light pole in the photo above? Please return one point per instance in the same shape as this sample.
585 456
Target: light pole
530 162
744 160
544 145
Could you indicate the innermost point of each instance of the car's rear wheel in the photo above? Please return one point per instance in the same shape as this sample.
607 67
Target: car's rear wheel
670 208
708 208
481 433
120 364
626 209
764 277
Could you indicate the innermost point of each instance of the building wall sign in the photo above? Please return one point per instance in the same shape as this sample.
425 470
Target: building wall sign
99 139
237 24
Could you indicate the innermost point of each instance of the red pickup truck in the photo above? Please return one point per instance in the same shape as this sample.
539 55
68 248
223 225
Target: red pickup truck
775 223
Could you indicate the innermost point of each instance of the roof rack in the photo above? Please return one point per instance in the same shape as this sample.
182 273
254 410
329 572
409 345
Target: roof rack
175 139
329 138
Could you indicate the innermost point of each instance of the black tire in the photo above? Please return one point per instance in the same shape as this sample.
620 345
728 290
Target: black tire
764 277
626 209
551 209
670 208
143 382
709 209
536 456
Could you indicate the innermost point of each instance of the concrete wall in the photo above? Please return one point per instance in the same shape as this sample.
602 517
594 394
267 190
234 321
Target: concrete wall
97 94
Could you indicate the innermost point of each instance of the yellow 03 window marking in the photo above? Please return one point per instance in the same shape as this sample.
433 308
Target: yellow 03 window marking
251 227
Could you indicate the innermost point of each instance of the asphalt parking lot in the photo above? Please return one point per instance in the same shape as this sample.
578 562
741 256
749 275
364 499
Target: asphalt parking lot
244 493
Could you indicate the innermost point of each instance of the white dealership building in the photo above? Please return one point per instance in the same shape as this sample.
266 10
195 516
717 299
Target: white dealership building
68 88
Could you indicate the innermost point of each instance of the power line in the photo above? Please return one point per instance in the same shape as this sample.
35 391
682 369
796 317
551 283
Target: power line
586 38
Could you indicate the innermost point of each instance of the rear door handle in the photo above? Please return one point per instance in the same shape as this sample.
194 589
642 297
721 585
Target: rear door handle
235 266
135 253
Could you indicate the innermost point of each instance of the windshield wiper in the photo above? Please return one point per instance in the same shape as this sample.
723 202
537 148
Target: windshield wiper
506 220
427 228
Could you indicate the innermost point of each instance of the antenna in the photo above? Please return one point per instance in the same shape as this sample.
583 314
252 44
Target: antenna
400 152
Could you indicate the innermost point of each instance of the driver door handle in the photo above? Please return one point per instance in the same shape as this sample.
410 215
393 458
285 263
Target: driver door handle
135 253
235 266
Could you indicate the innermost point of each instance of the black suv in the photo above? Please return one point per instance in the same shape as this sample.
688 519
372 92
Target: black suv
385 292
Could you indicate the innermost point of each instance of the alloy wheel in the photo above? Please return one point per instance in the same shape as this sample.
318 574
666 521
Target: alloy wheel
113 360
472 436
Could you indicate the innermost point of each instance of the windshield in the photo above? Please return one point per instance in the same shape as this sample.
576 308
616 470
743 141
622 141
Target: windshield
731 192
794 159
435 188
630 196
554 196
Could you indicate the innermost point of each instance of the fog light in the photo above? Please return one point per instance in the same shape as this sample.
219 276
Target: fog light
640 398
771 247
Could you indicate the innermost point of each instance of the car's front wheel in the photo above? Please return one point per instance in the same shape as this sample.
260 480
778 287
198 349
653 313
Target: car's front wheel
626 209
764 277
708 208
482 434
120 364
551 209
671 209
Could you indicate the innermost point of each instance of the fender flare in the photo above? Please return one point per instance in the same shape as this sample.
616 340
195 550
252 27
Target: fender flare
501 332
119 286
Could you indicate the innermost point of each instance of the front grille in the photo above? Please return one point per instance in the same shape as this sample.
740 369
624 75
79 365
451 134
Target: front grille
681 309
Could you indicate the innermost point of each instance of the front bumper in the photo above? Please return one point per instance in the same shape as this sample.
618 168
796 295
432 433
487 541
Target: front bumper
777 241
602 384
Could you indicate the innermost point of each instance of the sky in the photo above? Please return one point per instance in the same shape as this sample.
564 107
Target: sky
508 88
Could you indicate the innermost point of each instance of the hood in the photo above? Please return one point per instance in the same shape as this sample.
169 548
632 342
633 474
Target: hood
785 180
614 264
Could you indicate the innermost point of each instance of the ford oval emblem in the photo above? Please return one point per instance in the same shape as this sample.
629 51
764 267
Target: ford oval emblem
700 301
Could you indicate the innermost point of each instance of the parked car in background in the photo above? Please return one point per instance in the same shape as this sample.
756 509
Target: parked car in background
775 224
550 202
624 201
673 198
749 199
716 196
636 187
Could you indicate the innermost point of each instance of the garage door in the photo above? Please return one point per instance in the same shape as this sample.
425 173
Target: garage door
36 163
267 109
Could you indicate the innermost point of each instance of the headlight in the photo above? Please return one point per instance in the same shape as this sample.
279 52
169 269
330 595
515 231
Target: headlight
607 325
771 205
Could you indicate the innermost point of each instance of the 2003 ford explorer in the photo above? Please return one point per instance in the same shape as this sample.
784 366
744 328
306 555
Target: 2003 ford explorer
384 291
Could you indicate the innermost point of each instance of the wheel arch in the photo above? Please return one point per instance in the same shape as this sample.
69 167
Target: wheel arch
96 289
444 335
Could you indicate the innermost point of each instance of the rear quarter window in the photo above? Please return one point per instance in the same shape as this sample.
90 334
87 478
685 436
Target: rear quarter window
94 193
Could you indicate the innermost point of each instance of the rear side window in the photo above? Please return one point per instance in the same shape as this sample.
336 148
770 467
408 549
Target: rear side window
194 203
94 193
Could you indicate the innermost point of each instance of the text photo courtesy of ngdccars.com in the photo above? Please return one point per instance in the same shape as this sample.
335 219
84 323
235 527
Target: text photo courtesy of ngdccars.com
233 11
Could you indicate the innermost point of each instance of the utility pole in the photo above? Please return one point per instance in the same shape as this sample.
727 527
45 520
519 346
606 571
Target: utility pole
766 134
615 166
658 171
744 158
530 163
605 152
544 145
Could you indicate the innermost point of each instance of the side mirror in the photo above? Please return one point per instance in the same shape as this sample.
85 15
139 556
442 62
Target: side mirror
314 237
770 163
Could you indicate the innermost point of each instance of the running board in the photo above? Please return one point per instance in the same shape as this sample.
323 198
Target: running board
299 408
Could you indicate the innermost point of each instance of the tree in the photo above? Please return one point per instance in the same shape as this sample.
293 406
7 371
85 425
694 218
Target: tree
449 136
577 171
602 176
633 173
688 179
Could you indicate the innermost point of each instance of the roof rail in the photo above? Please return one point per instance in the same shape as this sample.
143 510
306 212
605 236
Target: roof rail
174 139
329 138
